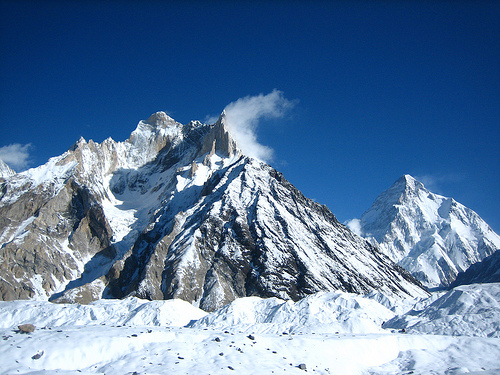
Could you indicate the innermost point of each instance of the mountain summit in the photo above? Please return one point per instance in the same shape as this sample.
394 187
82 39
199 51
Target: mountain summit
432 236
5 170
176 211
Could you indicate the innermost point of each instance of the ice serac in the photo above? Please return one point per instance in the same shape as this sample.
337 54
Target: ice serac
176 211
432 236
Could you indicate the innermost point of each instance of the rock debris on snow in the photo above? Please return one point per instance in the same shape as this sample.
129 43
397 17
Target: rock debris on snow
26 328
93 348
38 355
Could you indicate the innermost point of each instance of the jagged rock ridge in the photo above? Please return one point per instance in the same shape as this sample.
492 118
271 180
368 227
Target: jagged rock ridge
432 236
175 211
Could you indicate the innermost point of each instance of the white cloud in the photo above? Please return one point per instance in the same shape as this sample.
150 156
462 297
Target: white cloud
434 182
210 119
355 226
243 117
16 155
430 182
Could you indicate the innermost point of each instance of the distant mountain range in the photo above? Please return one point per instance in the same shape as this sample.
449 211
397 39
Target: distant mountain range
176 211
432 236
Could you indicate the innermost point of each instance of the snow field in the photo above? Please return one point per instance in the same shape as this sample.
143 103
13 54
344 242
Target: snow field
104 349
330 333
467 310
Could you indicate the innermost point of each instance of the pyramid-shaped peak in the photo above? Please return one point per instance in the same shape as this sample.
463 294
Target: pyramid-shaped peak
5 170
402 189
432 236
160 118
222 120
407 182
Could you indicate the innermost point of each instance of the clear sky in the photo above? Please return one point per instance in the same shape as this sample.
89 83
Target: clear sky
374 89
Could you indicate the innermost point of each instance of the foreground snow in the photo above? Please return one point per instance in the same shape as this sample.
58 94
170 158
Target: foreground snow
327 332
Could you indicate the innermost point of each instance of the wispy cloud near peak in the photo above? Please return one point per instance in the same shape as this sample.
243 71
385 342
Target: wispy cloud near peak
16 155
435 182
244 114
355 226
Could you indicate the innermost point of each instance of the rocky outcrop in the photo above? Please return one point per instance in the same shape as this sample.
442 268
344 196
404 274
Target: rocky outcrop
59 235
219 140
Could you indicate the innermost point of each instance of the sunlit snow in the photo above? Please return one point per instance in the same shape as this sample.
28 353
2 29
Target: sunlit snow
325 333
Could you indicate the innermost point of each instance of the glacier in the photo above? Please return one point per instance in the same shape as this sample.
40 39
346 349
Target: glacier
324 333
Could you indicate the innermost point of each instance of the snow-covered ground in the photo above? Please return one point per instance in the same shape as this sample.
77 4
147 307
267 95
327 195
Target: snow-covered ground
325 333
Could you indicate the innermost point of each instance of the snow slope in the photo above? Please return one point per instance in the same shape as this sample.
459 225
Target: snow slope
486 271
129 311
134 336
471 310
333 312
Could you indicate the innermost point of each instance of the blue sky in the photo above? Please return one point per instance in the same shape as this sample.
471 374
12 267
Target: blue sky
378 89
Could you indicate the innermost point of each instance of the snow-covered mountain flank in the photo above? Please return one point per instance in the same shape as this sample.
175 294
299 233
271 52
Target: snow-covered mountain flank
176 211
432 236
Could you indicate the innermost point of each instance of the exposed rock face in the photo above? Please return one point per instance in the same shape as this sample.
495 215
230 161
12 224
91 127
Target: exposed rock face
432 236
175 211
48 241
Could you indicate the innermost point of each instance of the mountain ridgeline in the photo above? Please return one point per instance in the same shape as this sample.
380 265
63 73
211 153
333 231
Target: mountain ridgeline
176 211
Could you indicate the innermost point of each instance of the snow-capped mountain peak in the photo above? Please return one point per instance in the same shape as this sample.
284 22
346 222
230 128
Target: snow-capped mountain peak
432 236
176 211
160 118
159 124
402 190
411 185
5 170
